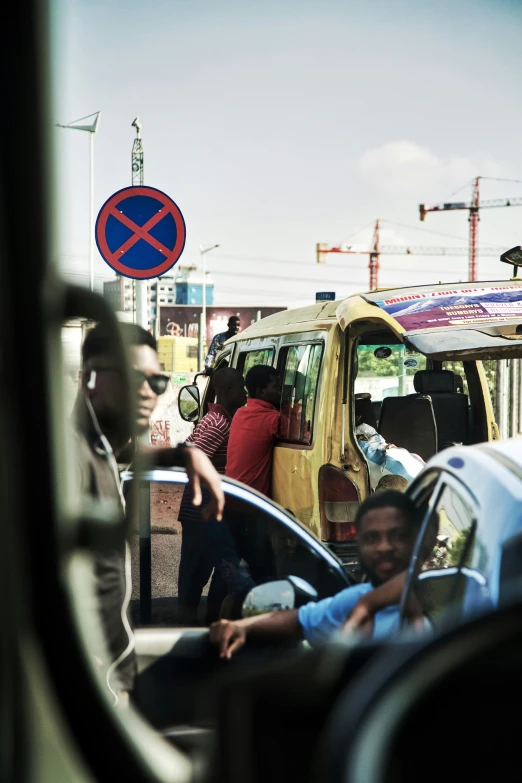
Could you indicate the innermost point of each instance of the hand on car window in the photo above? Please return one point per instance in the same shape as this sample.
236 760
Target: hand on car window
200 469
228 637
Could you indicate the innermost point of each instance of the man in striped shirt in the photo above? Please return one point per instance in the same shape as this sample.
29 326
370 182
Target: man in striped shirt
209 545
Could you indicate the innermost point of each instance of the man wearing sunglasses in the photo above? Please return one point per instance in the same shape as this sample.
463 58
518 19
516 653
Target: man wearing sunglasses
104 438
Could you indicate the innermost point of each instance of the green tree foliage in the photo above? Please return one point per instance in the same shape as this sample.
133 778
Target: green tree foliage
371 366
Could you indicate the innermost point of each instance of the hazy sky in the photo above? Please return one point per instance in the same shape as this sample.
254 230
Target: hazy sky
278 124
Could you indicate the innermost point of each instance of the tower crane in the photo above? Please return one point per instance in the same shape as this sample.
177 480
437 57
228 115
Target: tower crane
473 207
322 249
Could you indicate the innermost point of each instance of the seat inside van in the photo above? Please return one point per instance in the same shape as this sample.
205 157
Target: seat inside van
365 410
409 422
450 407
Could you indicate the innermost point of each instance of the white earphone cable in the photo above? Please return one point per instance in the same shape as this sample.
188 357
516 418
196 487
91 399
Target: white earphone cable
128 575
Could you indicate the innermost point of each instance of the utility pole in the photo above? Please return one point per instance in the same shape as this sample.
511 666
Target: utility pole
91 129
202 331
137 166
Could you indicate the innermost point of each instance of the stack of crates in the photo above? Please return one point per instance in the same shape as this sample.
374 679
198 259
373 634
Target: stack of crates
178 354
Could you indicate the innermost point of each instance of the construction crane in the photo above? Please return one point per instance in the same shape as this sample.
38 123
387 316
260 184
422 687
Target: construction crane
473 207
377 250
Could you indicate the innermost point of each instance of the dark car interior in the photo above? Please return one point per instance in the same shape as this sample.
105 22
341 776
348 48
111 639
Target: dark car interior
429 712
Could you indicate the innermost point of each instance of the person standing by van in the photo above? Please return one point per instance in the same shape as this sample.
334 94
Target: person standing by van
207 547
253 434
254 430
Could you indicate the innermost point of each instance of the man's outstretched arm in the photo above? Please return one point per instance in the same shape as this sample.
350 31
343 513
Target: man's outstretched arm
230 635
199 470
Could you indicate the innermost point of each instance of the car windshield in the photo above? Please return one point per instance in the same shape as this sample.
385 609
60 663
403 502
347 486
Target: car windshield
387 370
279 179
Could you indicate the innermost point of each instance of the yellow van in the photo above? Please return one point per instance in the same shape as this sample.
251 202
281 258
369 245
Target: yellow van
408 362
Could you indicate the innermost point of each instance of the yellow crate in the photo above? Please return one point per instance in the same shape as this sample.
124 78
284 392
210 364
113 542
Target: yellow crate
178 354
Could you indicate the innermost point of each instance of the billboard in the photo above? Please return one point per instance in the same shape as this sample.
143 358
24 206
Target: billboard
464 307
183 320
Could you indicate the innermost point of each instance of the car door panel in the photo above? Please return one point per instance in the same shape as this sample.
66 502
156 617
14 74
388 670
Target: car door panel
178 670
180 675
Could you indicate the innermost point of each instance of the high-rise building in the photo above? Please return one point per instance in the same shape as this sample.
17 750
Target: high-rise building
189 286
186 287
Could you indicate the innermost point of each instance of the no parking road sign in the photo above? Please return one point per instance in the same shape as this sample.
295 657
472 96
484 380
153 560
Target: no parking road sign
140 232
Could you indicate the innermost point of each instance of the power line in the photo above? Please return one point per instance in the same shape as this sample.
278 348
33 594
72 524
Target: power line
359 231
466 185
502 179
423 230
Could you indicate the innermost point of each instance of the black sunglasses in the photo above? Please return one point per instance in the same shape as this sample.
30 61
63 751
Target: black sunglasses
158 383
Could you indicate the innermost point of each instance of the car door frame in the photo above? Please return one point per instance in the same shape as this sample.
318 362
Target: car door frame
442 479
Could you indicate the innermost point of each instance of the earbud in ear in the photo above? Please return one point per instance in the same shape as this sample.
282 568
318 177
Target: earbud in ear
92 380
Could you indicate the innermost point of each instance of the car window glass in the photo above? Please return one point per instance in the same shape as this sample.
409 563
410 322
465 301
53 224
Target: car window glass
201 570
248 359
300 366
446 580
459 372
446 539
386 370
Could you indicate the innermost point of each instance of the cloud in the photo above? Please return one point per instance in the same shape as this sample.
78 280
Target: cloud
406 168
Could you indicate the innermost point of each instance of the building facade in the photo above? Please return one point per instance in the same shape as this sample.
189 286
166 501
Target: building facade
185 288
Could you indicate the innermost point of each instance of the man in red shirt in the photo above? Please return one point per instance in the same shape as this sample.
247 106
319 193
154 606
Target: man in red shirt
254 430
249 459
208 545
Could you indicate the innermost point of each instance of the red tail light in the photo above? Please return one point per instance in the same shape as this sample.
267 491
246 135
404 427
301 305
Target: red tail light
338 502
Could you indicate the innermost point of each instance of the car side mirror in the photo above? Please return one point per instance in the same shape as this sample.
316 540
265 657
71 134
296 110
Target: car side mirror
278 596
188 403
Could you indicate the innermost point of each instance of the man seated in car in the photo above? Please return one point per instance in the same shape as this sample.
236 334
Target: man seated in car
386 526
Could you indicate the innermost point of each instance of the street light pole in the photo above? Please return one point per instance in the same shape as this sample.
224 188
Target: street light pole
92 128
202 252
91 209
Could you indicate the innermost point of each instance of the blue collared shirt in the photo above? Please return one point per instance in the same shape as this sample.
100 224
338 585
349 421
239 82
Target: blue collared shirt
215 345
321 620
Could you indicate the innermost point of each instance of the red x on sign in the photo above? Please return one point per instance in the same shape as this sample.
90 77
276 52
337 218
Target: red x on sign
140 232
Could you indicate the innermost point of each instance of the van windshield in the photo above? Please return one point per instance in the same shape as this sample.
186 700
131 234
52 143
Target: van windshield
386 370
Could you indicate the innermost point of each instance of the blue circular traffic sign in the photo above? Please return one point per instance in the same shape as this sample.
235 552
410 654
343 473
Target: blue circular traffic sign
140 232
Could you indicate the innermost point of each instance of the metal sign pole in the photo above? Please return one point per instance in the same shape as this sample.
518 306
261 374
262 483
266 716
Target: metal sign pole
145 554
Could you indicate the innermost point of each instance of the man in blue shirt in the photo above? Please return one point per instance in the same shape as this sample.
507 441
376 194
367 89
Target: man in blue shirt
386 525
234 325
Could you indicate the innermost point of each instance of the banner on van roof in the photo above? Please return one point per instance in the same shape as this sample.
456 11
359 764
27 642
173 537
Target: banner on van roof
464 307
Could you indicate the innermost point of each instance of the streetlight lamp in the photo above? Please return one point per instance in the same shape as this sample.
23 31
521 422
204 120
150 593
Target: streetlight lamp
202 251
92 128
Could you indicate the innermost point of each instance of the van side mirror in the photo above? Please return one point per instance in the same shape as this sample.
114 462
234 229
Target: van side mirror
278 596
188 403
